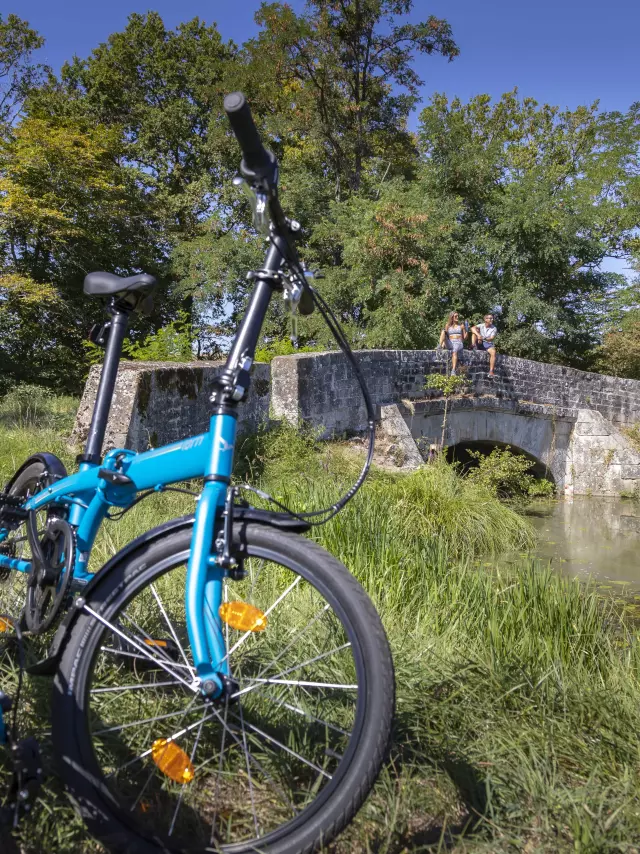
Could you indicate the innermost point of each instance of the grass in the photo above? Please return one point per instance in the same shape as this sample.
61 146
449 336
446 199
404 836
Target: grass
518 690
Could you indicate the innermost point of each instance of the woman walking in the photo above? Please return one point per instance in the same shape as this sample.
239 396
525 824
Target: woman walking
452 337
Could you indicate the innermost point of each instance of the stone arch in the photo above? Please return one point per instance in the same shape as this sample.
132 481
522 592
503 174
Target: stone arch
532 430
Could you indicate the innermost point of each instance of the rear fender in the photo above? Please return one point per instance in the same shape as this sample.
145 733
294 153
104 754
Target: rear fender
53 465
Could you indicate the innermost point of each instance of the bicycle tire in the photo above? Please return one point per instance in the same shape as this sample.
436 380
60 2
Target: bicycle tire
13 584
109 819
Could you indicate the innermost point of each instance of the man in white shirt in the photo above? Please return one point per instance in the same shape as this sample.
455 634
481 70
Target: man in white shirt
483 338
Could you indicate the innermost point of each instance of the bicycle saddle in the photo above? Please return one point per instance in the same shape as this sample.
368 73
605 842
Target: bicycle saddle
107 284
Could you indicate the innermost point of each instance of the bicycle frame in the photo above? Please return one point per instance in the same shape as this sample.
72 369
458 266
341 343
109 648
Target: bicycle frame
88 496
89 499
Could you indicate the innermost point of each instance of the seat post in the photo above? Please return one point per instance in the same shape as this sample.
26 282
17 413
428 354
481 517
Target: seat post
100 417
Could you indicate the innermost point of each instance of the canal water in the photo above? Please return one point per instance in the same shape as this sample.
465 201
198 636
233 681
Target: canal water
590 537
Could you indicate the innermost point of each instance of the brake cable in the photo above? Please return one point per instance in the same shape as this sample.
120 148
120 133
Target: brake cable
336 330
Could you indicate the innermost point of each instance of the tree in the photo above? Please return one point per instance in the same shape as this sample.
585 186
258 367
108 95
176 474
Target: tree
546 196
67 206
346 69
35 335
162 91
18 74
392 255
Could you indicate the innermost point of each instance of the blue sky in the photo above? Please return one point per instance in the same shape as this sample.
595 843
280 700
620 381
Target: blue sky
565 52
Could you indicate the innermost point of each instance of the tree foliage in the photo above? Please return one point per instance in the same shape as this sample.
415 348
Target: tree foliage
347 69
124 161
546 196
18 73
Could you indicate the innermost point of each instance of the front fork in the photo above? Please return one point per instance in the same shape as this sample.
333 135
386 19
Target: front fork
205 576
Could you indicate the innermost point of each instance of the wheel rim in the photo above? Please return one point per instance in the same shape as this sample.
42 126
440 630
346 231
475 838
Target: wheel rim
261 761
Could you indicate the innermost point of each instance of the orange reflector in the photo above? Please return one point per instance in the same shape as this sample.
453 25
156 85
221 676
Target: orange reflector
172 761
150 642
243 616
5 625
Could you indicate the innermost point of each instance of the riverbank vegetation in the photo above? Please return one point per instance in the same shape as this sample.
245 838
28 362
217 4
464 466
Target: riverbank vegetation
518 690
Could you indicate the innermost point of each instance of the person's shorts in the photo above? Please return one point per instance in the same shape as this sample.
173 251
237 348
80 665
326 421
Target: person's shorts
455 346
488 345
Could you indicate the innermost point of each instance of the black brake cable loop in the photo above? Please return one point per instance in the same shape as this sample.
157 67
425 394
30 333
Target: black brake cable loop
336 330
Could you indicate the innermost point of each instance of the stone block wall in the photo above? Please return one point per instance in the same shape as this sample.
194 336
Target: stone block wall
156 403
567 419
321 388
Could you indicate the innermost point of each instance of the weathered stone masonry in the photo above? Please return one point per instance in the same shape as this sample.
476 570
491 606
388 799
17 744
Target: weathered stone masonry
567 419
160 402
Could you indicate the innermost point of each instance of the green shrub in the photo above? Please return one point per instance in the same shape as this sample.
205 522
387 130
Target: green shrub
172 343
279 347
507 475
448 384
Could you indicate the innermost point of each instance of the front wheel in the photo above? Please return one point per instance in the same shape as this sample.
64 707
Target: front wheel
283 763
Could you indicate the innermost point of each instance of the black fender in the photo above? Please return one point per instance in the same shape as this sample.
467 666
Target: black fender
54 466
280 521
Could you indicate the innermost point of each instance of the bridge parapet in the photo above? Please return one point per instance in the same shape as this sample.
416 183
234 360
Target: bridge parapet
321 388
565 418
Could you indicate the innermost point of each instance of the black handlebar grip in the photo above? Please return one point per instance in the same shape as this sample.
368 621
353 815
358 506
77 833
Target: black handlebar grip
256 156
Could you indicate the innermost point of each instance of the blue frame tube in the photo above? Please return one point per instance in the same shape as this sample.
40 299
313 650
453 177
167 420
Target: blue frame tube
90 497
204 582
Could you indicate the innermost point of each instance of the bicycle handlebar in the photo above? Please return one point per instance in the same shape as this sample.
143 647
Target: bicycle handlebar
260 167
256 157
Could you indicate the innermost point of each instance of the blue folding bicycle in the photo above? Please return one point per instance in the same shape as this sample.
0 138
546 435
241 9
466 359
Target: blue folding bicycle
222 682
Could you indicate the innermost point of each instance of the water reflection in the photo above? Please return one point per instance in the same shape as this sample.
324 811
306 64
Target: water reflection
597 537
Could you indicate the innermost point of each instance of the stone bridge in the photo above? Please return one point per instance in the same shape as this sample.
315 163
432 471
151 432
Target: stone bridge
569 422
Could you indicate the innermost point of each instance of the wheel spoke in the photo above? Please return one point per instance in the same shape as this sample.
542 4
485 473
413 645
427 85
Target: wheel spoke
295 640
120 727
174 737
137 687
172 629
111 651
193 753
190 685
308 715
260 683
246 755
280 599
288 750
258 764
152 642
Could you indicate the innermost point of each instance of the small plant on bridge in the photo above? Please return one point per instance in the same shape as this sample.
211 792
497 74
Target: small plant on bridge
448 385
507 475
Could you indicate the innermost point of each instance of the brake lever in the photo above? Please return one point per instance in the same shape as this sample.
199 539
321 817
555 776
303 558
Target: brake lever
259 202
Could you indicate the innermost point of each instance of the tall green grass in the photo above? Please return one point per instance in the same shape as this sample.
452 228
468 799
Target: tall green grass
518 690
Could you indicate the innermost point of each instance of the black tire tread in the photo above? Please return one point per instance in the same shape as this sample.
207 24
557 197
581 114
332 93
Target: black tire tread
333 816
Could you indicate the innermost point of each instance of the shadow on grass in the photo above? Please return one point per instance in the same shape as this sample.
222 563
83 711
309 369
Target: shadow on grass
424 831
